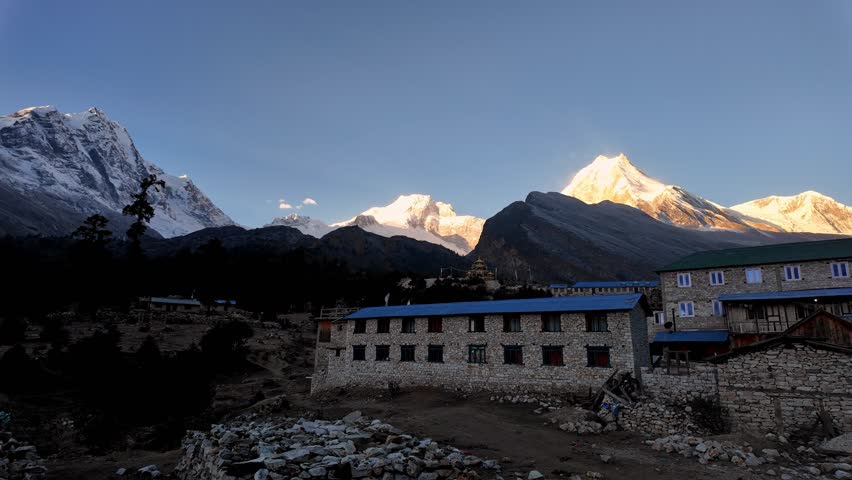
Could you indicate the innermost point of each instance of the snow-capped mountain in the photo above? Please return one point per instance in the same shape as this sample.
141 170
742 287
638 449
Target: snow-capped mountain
419 216
617 180
57 168
307 225
806 212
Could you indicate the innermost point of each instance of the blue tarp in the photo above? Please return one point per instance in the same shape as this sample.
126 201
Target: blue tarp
530 305
822 292
636 283
176 301
697 336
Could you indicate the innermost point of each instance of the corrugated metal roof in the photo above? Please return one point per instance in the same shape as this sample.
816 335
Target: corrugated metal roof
176 301
696 336
766 254
633 283
821 292
530 305
558 285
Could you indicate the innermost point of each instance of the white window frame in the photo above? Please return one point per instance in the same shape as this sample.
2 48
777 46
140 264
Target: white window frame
842 267
688 280
718 308
660 318
686 309
717 275
759 274
789 270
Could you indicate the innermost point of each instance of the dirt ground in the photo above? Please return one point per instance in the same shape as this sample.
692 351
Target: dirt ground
494 430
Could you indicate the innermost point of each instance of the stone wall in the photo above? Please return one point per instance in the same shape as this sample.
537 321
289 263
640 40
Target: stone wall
626 353
782 388
814 275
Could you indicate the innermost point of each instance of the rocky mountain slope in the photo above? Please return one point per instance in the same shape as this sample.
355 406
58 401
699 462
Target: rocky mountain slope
307 225
806 212
59 168
553 237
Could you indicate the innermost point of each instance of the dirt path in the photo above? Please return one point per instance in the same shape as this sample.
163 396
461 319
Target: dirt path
494 430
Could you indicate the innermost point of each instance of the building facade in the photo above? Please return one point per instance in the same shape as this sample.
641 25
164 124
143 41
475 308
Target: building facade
757 290
567 344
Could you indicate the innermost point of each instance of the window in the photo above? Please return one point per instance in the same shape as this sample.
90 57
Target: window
406 353
513 355
476 323
360 326
359 352
792 273
687 309
717 278
596 322
840 269
551 322
755 312
383 325
684 280
753 275
382 353
436 354
551 356
436 325
718 308
598 356
511 323
660 318
476 354
408 325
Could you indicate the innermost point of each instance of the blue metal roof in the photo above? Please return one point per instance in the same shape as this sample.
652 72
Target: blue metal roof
697 336
821 292
634 283
558 285
176 301
529 305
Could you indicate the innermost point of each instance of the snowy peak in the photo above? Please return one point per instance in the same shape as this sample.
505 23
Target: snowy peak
806 212
614 179
302 223
617 180
421 217
84 163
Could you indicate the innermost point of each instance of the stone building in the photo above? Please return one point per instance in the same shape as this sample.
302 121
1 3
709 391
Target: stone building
171 304
566 344
757 290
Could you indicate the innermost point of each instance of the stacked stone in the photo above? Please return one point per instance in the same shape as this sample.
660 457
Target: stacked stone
19 461
545 403
659 418
313 449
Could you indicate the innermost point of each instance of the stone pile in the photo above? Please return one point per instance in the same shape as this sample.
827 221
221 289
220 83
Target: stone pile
800 464
353 447
658 418
544 403
19 461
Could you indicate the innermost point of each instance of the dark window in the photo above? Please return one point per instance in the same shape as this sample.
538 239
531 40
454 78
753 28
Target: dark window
598 356
551 322
513 355
340 328
476 323
596 322
755 312
406 353
408 325
436 325
382 353
436 353
359 352
383 325
360 326
551 356
336 352
325 331
476 354
511 323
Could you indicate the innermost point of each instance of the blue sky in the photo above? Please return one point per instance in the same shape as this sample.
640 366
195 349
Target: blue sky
476 103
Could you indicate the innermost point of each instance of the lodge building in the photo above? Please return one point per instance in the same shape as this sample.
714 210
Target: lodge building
752 293
543 344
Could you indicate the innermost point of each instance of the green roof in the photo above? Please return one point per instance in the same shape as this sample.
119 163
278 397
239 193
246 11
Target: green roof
765 254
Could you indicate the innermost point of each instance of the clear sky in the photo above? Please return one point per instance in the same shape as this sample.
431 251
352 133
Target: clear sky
477 103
